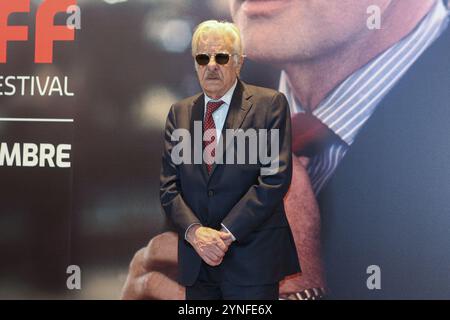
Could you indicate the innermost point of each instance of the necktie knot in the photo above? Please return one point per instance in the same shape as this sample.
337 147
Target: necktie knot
310 135
212 106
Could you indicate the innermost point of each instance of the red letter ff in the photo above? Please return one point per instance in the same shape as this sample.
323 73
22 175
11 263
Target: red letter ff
11 33
47 32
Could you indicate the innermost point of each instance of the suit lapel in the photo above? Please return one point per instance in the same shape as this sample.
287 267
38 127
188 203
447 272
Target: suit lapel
240 105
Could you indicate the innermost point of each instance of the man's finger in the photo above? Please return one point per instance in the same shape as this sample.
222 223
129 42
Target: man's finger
218 254
219 249
207 260
225 235
211 262
228 242
205 256
214 257
211 255
222 245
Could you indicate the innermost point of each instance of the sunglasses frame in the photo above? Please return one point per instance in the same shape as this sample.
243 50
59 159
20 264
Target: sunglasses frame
214 55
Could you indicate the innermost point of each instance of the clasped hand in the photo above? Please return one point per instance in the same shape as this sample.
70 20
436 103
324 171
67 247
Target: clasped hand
210 244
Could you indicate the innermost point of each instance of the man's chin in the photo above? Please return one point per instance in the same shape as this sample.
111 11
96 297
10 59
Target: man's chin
259 9
213 86
259 52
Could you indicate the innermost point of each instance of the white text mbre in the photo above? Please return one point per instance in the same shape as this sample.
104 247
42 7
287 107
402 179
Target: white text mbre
35 155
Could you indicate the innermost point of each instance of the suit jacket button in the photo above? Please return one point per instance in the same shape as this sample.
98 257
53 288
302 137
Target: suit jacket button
210 193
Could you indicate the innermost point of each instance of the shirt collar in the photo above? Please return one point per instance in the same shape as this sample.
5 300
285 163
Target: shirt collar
347 107
226 98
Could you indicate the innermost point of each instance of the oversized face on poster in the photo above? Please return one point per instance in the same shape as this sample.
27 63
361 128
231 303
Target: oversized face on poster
295 30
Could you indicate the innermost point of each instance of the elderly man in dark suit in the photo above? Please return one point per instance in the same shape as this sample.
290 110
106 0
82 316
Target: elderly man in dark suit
229 216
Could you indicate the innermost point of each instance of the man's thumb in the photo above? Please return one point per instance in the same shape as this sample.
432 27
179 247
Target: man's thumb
224 235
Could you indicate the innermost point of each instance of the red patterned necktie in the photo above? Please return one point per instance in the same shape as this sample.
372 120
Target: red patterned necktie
209 131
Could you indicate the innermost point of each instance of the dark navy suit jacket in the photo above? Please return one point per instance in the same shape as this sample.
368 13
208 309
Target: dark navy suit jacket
388 203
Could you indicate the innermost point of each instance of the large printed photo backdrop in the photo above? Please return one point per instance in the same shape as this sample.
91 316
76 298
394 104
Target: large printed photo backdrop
81 150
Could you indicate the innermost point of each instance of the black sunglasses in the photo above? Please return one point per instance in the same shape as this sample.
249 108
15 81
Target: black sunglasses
220 58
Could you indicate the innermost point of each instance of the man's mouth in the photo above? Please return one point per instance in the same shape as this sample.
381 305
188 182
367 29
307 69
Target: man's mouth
212 77
263 7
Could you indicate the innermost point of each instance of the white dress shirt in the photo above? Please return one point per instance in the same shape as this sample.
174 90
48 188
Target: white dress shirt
220 114
219 117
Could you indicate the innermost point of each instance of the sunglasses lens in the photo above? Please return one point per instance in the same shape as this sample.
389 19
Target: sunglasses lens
222 58
202 59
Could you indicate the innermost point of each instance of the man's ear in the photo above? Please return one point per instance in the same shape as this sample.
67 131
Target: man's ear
240 62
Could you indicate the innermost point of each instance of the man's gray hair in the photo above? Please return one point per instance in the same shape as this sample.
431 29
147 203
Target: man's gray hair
227 29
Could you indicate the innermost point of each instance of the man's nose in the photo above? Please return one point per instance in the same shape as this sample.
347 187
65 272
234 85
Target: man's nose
212 64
